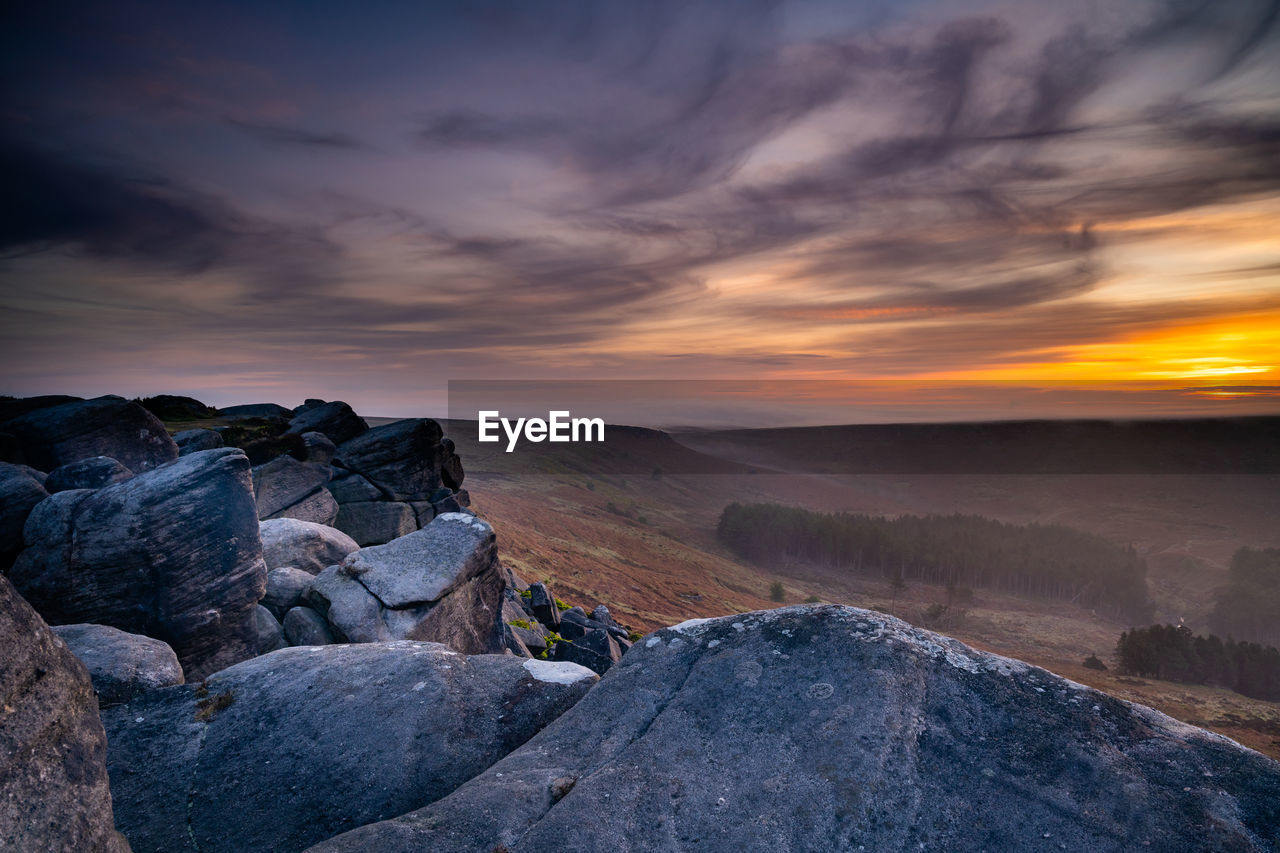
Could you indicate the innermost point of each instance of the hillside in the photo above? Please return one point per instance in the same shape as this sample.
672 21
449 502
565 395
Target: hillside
631 529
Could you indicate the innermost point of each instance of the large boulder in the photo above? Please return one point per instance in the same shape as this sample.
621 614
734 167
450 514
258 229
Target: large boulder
336 420
832 728
293 747
303 545
104 426
285 482
121 665
92 473
53 775
402 459
441 583
21 488
172 553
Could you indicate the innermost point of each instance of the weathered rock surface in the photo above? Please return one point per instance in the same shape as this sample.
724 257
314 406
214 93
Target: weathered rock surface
284 482
104 426
195 440
403 459
121 664
172 554
543 606
303 545
423 566
336 420
92 473
53 776
831 728
376 522
308 742
21 489
270 634
442 584
305 627
285 586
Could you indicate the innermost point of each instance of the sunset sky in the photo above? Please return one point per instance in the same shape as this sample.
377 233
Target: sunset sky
249 202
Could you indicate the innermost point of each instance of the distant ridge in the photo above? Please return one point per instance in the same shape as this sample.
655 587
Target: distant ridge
1238 445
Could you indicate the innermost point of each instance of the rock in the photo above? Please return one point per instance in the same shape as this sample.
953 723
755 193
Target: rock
104 426
304 743
121 665
832 728
601 615
403 459
53 776
195 440
270 634
305 627
543 605
353 614
11 449
303 544
309 403
285 587
256 410
336 420
351 488
423 566
318 448
376 522
284 482
442 584
20 490
172 553
595 649
319 507
451 473
92 473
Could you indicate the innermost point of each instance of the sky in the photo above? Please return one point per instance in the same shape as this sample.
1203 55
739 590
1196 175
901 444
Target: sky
250 202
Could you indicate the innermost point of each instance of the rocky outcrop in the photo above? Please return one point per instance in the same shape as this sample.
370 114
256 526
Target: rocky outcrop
121 665
105 426
303 545
92 473
293 747
21 488
441 583
839 729
256 410
53 776
172 554
195 440
394 479
336 420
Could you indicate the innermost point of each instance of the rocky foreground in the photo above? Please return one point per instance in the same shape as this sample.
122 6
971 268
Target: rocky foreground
291 633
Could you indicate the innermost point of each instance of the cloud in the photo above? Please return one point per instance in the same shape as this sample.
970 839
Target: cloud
282 135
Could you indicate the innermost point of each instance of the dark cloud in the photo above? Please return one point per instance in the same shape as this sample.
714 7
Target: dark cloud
275 134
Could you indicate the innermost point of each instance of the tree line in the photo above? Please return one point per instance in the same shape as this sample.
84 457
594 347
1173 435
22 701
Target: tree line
1172 653
1249 605
960 551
